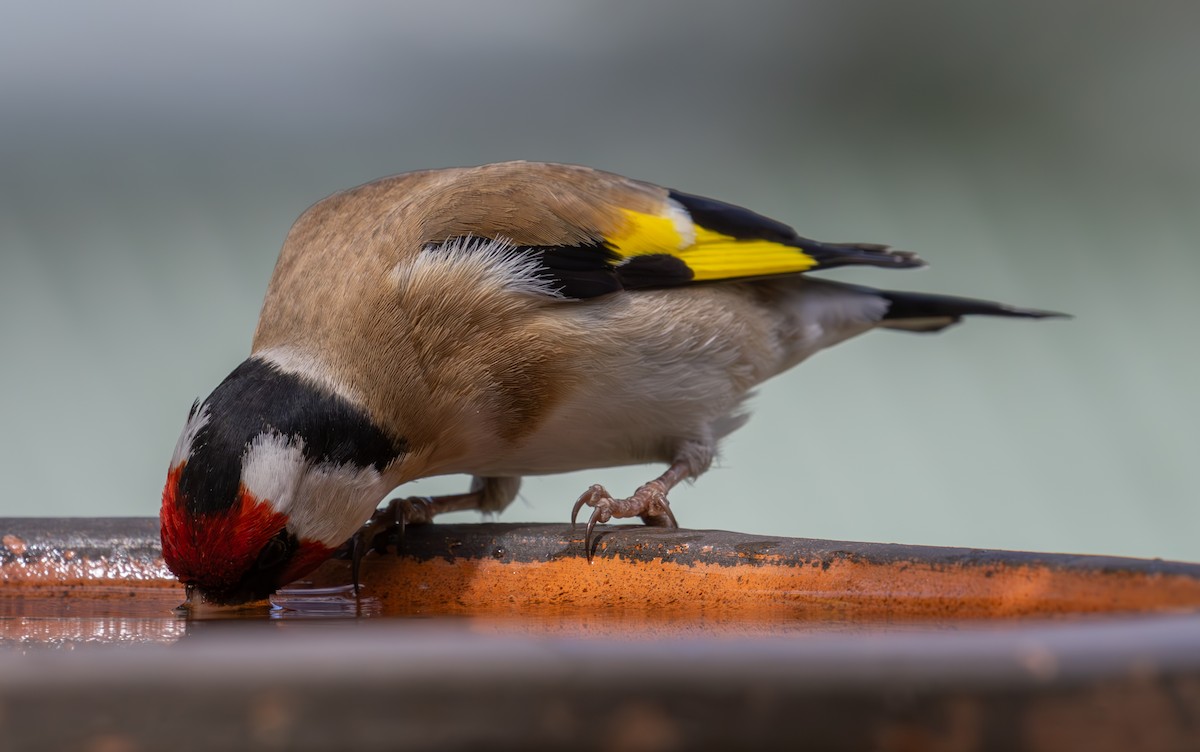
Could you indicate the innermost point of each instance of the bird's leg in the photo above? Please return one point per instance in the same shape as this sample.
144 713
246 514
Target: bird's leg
388 522
398 514
648 502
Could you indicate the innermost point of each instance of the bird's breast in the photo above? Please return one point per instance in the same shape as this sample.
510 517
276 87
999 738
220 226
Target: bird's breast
643 374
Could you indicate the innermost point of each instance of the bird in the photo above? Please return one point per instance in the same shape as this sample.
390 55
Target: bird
500 321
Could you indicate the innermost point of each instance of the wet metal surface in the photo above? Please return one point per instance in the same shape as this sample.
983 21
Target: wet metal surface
502 637
499 569
68 552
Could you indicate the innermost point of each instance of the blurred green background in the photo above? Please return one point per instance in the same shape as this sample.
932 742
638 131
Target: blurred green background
152 157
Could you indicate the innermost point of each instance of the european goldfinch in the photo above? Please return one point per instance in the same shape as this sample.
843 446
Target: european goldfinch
505 320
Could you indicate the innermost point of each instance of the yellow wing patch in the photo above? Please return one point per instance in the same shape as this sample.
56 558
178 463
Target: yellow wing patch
717 256
646 234
710 255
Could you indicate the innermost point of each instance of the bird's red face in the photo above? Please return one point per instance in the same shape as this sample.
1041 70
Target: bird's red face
240 554
270 475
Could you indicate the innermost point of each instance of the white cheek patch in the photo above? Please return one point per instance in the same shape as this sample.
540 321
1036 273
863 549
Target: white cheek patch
271 469
323 502
197 420
338 500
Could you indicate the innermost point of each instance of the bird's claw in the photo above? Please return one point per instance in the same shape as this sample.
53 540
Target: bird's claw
649 502
387 525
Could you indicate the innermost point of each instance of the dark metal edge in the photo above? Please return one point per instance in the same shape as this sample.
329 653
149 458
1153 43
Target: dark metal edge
49 539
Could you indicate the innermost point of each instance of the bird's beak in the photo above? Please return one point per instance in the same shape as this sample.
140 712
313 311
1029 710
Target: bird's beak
197 604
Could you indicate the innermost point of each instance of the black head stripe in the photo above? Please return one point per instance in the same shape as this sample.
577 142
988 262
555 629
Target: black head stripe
258 398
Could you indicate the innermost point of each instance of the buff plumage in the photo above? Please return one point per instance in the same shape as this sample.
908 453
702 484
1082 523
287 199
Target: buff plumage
501 321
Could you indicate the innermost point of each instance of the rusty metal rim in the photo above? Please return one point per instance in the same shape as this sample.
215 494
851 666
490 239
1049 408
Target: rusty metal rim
501 569
49 538
1093 683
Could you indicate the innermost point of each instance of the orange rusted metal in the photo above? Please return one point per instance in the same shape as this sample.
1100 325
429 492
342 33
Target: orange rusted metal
841 645
501 570
845 589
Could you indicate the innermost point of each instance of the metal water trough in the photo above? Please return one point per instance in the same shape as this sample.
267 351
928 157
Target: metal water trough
671 639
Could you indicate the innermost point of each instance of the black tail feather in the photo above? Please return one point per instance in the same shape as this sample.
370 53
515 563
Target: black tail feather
924 312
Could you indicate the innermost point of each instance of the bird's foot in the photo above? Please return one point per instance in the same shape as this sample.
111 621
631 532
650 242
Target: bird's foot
388 523
648 502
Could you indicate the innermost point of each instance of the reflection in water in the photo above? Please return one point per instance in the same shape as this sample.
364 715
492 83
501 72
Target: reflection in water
327 602
152 616
106 616
26 632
